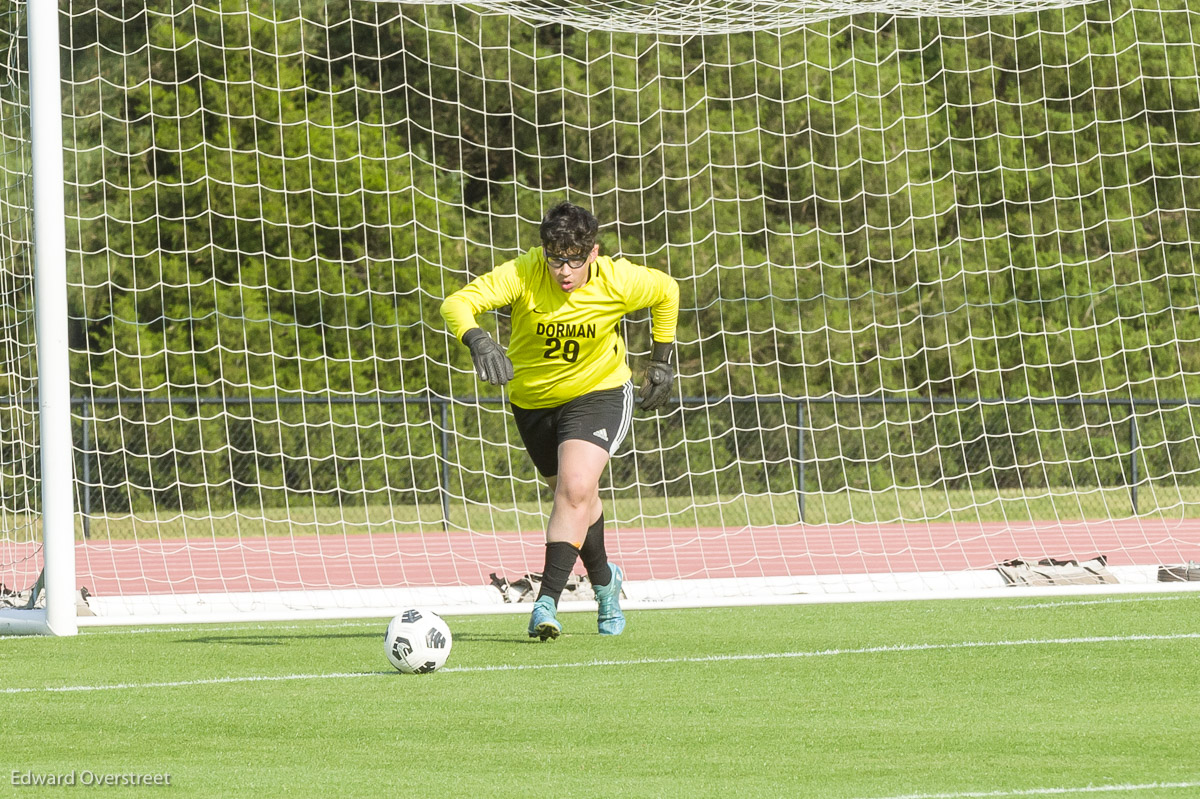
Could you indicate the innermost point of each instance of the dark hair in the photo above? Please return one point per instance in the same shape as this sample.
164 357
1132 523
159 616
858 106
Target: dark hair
569 230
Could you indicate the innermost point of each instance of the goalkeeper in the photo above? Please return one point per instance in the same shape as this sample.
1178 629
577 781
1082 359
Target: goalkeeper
569 385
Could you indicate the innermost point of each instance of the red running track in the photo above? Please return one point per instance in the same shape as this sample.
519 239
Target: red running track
124 567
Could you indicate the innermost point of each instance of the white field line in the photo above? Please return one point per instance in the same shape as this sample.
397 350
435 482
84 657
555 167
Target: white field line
1066 791
1110 601
872 650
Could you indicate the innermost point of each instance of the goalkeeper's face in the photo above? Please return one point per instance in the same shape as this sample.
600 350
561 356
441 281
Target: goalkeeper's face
570 269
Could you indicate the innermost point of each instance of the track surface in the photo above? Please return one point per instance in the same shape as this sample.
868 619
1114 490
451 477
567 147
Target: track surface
201 565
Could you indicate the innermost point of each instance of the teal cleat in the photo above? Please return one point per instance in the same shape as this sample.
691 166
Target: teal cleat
543 623
609 618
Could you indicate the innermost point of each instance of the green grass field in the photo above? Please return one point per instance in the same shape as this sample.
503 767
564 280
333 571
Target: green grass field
1012 506
1005 697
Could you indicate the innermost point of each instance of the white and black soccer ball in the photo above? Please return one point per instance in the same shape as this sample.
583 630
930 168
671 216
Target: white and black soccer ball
417 641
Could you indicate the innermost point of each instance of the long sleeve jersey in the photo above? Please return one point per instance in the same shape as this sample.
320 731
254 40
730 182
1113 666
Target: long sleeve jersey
564 345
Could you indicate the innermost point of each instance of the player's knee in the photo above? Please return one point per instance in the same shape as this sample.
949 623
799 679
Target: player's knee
574 493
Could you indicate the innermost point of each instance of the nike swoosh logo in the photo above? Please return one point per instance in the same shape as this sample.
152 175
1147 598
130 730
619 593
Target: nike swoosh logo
535 310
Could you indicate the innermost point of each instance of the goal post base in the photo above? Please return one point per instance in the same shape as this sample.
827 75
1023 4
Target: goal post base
294 606
35 622
18 621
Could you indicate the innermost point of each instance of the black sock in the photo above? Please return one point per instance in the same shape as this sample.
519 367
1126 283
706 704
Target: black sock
560 559
592 553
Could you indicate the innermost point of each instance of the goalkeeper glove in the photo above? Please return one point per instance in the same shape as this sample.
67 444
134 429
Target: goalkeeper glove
491 364
660 373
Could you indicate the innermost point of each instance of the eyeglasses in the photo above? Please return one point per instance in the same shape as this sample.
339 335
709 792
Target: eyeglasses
557 261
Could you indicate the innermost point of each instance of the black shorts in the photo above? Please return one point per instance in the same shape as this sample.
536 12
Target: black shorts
601 417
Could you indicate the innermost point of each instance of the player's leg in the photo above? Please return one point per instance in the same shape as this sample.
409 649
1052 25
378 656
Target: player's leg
539 432
606 577
603 419
592 553
576 490
595 562
606 580
576 496
587 431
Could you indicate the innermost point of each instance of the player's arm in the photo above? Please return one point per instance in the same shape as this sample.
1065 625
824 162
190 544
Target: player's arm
658 291
487 292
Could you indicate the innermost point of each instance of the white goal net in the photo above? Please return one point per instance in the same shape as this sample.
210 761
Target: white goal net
939 305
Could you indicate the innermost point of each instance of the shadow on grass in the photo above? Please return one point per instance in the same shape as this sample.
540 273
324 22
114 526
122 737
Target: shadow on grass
517 636
276 640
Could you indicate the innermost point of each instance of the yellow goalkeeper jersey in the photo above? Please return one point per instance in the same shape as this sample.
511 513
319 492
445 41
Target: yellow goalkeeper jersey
564 345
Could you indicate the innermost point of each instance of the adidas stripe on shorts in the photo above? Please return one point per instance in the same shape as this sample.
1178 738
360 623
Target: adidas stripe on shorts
601 417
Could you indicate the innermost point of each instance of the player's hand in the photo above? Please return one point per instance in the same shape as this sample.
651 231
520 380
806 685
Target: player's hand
491 363
659 377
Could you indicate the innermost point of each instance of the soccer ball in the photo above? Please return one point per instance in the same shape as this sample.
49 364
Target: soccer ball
417 641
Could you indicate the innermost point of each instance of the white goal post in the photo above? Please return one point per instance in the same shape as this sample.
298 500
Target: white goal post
52 385
939 318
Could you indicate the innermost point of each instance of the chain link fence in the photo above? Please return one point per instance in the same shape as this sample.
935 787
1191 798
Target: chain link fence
716 461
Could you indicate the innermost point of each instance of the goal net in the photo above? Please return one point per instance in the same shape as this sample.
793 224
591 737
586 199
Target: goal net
939 304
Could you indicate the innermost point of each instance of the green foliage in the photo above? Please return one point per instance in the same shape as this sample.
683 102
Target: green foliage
270 199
